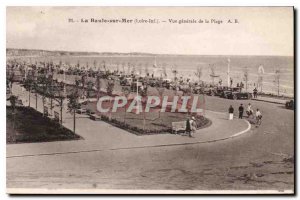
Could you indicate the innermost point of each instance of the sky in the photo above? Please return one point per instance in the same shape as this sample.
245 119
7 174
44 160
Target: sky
259 31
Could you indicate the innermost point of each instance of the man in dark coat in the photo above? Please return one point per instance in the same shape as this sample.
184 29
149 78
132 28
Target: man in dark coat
241 111
188 128
255 93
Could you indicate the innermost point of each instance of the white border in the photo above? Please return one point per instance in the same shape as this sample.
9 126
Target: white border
99 191
3 194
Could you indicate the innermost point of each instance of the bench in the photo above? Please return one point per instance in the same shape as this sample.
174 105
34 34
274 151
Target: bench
178 126
95 117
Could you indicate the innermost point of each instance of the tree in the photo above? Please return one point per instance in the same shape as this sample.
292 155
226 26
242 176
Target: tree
246 77
109 89
13 102
164 69
277 80
73 105
198 73
50 92
128 69
146 70
260 82
160 89
46 85
90 85
43 87
213 73
126 92
139 66
123 68
95 64
175 72
98 86
110 86
60 97
35 87
104 66
132 72
261 71
83 81
144 94
28 85
11 78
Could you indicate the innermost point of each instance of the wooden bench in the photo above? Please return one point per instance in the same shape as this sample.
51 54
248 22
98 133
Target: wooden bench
178 126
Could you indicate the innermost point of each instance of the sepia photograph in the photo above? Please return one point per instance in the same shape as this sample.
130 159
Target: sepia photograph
150 100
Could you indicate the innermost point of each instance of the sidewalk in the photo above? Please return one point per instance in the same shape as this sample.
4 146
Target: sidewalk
270 100
101 136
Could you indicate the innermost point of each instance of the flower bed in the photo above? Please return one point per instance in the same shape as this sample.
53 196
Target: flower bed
161 126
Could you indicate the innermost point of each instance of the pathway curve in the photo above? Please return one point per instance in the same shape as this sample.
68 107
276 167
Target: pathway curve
101 136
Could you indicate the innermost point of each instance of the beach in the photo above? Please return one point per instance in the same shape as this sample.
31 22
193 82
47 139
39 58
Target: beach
187 65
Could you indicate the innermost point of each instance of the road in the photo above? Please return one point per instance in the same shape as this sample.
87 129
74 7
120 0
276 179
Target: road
249 162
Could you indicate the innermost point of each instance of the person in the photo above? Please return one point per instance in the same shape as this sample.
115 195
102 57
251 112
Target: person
193 126
258 116
142 87
188 127
255 92
231 110
241 111
241 85
249 110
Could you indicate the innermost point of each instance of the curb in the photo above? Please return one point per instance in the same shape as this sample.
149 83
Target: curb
242 132
268 101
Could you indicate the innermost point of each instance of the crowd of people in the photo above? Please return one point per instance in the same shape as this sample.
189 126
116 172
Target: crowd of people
178 83
252 117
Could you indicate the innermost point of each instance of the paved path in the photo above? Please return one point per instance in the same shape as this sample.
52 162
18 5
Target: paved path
224 165
270 100
101 136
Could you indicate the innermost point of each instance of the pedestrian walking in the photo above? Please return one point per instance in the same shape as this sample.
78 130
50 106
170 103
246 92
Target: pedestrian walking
255 93
231 110
193 126
249 110
241 111
258 116
188 127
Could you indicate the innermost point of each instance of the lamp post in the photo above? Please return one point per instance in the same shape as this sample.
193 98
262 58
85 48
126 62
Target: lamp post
228 71
137 95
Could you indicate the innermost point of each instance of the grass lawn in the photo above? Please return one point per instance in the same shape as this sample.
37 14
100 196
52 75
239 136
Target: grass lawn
155 123
30 126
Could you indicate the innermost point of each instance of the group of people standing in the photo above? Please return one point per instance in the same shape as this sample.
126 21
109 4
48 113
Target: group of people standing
249 112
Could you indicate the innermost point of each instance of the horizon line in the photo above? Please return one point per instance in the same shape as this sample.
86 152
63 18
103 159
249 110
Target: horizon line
137 52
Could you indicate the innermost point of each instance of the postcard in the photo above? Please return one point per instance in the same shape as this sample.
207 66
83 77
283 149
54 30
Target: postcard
150 100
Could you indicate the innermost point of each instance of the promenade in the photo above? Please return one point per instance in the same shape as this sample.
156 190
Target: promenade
270 100
101 136
111 158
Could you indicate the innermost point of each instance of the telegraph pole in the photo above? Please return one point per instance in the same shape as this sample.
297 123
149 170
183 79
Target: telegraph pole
137 95
228 71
